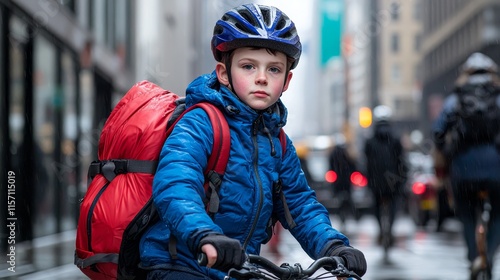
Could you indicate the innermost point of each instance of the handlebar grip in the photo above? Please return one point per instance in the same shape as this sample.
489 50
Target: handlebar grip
202 259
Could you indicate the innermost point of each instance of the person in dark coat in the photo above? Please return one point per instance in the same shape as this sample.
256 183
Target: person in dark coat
385 165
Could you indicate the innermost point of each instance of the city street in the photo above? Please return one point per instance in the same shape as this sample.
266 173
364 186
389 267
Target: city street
418 254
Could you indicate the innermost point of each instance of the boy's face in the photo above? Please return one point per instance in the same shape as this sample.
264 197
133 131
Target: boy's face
258 76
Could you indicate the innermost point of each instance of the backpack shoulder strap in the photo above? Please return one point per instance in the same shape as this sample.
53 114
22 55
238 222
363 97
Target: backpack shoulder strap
219 157
282 137
222 139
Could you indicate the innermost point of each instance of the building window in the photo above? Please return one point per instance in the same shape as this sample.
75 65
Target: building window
395 42
395 10
417 11
418 42
396 73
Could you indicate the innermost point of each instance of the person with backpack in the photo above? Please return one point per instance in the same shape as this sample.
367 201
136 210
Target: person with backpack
385 166
467 133
255 47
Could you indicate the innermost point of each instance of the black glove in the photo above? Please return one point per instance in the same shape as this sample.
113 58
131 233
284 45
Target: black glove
230 254
354 258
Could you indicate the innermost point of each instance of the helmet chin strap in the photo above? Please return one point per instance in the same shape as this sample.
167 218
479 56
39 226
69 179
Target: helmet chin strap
228 71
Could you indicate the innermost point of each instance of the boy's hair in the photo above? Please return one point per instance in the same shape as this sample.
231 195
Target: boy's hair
257 26
226 57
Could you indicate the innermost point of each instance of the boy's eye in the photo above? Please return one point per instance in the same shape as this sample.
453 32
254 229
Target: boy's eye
274 70
247 66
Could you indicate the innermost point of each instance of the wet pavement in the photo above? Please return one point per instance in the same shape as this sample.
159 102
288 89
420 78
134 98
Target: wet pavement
418 254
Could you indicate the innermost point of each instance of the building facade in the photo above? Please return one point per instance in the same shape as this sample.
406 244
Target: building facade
62 63
398 55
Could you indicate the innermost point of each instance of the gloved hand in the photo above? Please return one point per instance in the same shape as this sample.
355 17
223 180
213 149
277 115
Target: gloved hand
229 251
354 258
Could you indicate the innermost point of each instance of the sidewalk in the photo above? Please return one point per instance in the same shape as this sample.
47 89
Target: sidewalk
50 257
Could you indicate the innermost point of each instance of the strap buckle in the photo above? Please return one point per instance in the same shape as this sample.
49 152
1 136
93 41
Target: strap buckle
111 168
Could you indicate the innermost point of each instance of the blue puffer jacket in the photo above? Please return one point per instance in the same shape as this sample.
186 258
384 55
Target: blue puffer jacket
245 196
475 163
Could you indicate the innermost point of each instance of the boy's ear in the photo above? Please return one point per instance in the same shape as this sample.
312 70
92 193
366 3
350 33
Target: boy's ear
287 82
222 75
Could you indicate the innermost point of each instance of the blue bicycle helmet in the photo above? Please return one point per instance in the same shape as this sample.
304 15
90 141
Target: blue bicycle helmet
256 26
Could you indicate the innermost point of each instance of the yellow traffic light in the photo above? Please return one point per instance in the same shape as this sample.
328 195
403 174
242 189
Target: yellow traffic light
365 117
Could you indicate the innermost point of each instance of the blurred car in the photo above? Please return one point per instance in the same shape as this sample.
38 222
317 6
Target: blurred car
428 198
361 196
322 178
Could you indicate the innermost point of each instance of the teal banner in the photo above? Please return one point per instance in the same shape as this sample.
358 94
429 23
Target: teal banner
332 14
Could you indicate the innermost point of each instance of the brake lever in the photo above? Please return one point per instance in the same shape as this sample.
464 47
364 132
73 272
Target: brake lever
248 271
342 271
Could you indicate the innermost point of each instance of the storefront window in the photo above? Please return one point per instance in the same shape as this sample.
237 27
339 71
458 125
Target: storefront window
45 108
70 160
89 136
16 115
18 124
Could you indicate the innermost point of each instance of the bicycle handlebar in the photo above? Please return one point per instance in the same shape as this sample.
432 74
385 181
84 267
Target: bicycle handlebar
256 266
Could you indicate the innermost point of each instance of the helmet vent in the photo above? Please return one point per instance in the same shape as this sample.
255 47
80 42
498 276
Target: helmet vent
287 35
266 16
249 17
281 24
218 30
244 28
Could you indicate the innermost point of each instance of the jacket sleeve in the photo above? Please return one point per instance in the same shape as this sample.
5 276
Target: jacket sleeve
313 228
446 119
178 183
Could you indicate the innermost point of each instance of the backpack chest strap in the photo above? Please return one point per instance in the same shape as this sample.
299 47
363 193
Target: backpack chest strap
111 168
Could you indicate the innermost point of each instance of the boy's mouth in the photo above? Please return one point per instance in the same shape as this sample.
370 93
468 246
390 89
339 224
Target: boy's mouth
260 93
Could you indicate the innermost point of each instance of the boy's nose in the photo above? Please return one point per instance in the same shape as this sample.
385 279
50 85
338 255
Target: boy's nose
261 77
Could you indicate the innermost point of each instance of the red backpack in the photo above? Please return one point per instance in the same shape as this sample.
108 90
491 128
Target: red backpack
117 207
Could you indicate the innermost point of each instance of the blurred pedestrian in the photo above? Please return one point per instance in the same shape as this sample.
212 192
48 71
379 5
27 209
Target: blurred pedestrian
386 168
342 162
467 133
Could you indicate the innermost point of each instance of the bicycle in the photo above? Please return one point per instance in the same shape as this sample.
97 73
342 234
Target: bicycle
480 269
260 268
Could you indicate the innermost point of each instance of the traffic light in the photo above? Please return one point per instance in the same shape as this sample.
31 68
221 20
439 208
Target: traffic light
365 117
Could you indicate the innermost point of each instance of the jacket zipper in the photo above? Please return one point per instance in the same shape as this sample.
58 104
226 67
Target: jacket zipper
259 182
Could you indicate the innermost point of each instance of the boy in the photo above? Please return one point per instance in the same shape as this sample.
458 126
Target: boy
255 48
